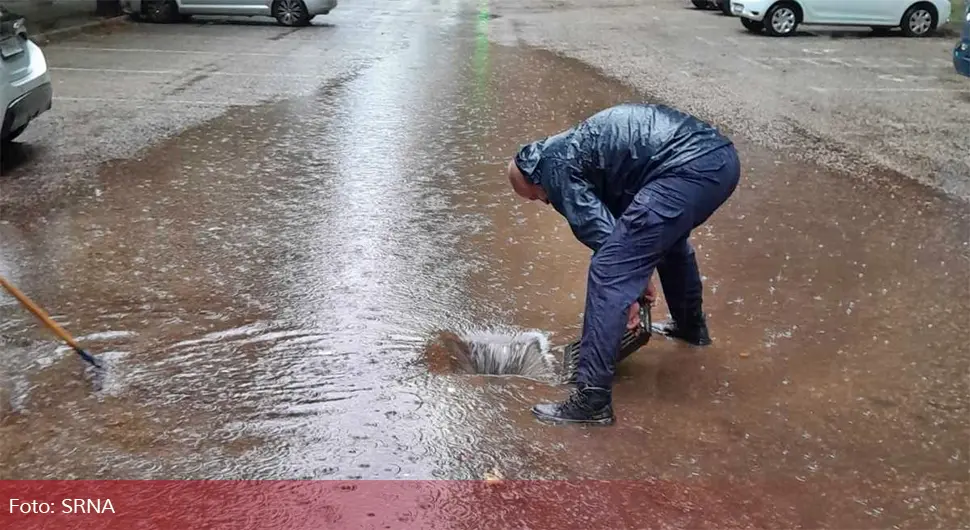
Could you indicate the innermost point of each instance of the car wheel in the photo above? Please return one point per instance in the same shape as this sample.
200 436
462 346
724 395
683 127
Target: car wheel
781 20
726 7
919 21
291 12
161 11
753 26
701 4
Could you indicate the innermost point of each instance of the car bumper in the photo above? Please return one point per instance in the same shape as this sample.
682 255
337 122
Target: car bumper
961 58
320 7
753 10
27 107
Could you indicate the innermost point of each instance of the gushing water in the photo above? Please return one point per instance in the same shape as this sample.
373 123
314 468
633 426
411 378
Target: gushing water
524 354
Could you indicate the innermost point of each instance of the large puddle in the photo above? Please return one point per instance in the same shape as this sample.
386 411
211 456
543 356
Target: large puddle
264 287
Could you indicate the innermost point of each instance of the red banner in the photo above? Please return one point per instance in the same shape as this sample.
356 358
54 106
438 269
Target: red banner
305 505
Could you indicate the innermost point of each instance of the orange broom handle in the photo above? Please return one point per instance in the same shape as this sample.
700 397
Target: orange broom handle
39 313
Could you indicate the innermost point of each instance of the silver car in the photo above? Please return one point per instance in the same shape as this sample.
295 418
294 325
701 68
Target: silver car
286 12
25 83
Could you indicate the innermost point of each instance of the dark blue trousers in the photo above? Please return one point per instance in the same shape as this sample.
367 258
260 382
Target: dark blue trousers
652 234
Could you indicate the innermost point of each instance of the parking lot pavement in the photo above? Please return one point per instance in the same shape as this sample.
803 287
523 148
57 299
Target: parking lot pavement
119 89
845 98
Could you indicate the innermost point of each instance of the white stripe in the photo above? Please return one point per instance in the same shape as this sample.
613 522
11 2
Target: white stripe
841 62
892 89
116 71
176 72
176 52
165 101
862 61
756 63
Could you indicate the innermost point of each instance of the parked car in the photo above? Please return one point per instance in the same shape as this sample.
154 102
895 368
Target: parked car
780 18
961 54
724 6
25 83
286 12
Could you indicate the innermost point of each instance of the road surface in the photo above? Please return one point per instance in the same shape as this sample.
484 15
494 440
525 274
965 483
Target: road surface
259 229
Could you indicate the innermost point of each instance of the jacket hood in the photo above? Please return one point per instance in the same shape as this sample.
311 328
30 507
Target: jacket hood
529 155
527 159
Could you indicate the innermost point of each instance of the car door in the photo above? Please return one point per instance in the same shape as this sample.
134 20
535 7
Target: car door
191 6
824 11
224 7
884 12
246 7
850 12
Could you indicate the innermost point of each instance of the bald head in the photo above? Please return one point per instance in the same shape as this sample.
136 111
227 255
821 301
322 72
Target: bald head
522 187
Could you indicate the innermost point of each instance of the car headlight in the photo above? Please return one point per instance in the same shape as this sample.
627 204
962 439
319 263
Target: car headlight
964 46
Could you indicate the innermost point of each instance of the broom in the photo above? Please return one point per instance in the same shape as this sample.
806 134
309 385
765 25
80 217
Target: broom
39 313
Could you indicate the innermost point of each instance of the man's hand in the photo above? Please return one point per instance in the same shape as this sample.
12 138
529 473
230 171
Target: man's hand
633 317
650 294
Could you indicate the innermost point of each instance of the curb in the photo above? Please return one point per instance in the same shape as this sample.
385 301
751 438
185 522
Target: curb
43 39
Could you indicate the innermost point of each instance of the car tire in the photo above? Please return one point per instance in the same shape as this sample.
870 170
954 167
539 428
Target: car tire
161 11
701 4
781 19
919 20
726 7
753 26
291 13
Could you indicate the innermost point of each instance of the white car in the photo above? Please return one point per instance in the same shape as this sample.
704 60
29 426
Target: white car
25 84
780 18
286 12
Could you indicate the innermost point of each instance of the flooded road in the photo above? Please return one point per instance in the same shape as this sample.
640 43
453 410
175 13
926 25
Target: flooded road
263 286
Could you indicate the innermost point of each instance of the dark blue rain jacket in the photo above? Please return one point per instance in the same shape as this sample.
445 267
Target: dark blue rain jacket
592 171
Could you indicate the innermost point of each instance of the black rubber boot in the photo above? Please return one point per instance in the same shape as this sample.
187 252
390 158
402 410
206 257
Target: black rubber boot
587 404
694 331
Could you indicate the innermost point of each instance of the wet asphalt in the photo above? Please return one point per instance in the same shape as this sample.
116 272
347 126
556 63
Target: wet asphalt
259 230
841 96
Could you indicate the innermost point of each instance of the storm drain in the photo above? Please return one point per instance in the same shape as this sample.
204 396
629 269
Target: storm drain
523 354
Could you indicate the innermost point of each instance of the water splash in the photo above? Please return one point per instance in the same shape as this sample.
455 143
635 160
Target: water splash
493 353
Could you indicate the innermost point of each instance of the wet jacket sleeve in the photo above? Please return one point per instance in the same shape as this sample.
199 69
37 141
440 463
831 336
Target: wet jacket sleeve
573 197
